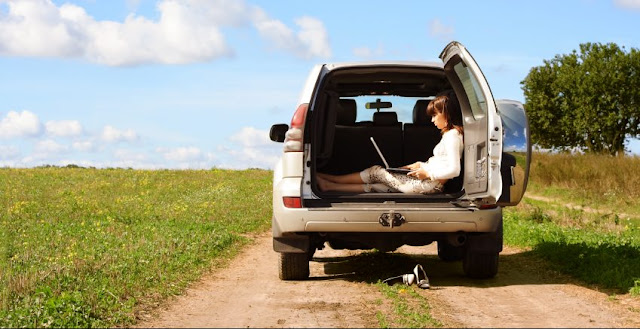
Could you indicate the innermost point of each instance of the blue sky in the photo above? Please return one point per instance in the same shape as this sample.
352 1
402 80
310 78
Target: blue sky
198 83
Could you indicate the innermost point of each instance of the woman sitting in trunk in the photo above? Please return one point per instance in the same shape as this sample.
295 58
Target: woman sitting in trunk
424 177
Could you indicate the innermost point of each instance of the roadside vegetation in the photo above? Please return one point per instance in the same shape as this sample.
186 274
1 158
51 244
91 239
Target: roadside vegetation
609 183
98 248
580 214
95 248
409 308
584 206
586 99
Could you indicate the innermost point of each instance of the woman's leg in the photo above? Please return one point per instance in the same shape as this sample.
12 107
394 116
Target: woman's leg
352 178
327 185
376 179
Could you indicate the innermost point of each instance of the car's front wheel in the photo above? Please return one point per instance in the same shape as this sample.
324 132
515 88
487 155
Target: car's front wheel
294 266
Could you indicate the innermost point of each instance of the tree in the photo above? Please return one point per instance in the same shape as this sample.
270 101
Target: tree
588 100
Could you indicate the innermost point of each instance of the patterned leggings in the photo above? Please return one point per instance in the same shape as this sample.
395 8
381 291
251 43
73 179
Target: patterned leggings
377 179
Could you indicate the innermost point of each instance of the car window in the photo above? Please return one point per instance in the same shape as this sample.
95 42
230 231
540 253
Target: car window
403 106
472 88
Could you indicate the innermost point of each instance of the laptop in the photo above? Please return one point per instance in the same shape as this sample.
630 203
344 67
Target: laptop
386 165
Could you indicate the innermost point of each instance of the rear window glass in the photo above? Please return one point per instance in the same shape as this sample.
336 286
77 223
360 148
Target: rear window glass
472 89
403 106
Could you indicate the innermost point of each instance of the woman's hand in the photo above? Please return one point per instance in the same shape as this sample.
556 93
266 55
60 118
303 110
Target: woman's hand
419 173
413 166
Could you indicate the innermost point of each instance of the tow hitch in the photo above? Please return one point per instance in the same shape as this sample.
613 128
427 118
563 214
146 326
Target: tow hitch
391 219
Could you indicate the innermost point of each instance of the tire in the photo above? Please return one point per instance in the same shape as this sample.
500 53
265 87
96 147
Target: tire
482 254
480 265
310 254
294 266
450 253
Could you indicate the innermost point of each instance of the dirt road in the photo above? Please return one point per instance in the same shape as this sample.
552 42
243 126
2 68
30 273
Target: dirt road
248 293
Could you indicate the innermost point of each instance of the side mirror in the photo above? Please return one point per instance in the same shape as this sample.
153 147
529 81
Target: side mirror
516 155
278 131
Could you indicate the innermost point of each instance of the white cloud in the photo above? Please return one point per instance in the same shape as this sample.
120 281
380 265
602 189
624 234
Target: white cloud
439 30
129 156
186 31
311 41
113 135
188 157
313 38
63 128
8 152
132 5
50 147
251 137
252 157
84 146
628 4
254 149
181 154
37 28
23 124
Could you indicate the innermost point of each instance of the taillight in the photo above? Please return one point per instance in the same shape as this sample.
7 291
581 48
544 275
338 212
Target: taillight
292 202
293 140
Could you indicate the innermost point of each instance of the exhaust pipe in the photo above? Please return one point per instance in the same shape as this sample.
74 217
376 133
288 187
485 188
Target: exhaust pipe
457 239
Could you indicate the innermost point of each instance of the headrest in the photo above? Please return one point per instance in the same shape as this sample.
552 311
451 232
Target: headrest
385 118
420 112
346 112
447 92
453 99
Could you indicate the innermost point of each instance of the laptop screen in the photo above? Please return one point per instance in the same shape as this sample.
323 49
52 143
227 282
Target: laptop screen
386 165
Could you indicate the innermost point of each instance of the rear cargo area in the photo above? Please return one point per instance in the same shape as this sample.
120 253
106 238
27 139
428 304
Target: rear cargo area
343 126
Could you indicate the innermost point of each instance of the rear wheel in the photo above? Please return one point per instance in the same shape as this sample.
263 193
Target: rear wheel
310 253
294 266
482 254
480 265
450 253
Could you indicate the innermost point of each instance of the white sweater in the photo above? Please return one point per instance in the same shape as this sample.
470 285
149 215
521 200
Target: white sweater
445 162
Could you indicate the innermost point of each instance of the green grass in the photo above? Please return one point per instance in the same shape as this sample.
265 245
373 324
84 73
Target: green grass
601 253
597 181
94 248
409 309
600 246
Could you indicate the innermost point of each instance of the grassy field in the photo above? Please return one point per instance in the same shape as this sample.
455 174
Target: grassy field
588 222
95 248
584 221
598 181
92 248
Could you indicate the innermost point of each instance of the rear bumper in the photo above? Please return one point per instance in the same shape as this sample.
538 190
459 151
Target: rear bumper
366 218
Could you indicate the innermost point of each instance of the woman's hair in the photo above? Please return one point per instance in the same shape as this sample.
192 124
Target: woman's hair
450 109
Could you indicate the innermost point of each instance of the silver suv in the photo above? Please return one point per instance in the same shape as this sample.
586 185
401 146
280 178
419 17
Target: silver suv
341 107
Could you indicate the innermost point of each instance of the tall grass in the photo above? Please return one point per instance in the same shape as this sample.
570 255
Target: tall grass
93 248
598 180
601 247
